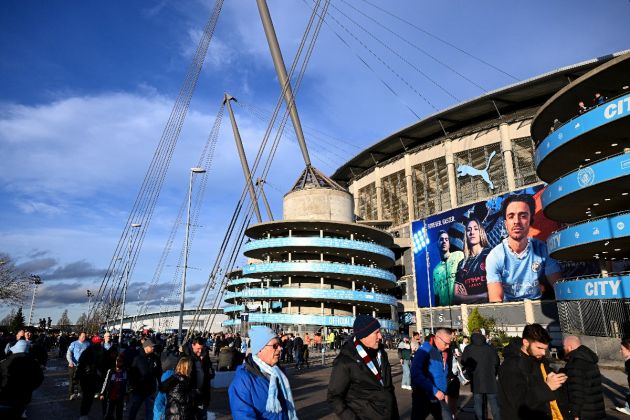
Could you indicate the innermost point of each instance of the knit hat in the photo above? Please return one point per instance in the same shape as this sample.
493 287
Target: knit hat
20 347
259 336
96 340
148 343
365 325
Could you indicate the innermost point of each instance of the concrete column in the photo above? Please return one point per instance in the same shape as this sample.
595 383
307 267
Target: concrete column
354 310
379 193
528 305
506 145
353 285
450 167
464 309
290 310
408 173
321 283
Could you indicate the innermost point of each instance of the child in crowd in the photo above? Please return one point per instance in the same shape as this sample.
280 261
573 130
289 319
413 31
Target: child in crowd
114 390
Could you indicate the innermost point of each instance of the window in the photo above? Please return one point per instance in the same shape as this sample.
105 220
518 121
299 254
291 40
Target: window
480 173
430 188
394 197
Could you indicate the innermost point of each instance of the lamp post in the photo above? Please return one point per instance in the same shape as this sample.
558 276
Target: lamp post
183 291
126 284
89 296
36 282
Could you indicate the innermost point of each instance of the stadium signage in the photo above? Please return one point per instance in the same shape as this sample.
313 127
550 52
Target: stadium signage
617 287
617 108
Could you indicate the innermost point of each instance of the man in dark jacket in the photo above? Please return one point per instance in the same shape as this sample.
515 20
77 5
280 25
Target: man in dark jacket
144 377
528 388
20 375
90 373
201 375
481 362
361 381
584 386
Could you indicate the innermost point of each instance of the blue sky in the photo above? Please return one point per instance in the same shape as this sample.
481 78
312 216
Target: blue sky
86 88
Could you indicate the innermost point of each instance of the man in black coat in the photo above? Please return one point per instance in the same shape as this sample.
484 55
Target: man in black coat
20 375
528 388
584 386
202 373
144 377
361 381
481 362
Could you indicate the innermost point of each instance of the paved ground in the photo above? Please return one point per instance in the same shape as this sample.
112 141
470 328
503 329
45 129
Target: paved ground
309 389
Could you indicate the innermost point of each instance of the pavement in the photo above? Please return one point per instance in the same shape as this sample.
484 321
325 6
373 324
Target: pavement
50 401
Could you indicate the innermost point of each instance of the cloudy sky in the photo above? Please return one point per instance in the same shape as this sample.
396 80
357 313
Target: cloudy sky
86 88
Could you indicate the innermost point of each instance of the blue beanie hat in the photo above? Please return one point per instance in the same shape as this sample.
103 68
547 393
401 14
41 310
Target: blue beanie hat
259 336
365 325
20 347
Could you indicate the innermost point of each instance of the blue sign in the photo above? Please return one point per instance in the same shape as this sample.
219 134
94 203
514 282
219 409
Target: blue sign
319 243
588 121
311 293
606 228
616 287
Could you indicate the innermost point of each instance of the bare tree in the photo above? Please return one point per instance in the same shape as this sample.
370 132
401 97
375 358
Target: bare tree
13 282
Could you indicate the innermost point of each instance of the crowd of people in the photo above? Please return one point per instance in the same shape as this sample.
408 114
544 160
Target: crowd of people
150 372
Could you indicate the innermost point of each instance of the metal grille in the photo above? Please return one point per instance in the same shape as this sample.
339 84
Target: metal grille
367 202
523 158
394 196
430 188
474 188
602 318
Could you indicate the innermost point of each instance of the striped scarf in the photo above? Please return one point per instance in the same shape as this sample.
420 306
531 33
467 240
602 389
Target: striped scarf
368 361
555 410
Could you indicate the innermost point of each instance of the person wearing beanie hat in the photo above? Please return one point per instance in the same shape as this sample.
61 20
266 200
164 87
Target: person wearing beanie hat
21 375
361 384
260 389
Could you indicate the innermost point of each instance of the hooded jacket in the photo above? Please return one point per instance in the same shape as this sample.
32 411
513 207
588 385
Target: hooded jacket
481 362
20 375
584 386
355 393
429 373
248 394
523 392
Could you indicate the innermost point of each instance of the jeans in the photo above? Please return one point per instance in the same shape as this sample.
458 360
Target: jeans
298 359
494 406
136 402
406 377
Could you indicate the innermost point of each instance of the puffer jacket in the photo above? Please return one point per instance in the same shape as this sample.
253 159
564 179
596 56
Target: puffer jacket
481 362
355 393
179 402
429 373
584 386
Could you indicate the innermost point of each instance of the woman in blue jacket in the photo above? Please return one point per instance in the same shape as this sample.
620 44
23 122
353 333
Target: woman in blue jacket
260 390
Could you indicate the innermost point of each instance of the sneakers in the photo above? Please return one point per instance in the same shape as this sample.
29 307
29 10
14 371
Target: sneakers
624 410
74 396
406 387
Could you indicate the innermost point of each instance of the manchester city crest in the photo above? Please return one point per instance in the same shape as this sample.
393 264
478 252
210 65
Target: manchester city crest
535 266
585 176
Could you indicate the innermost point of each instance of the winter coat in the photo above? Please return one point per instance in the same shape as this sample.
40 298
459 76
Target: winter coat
201 394
248 394
353 390
481 363
91 368
584 386
522 390
159 406
144 373
20 375
179 401
429 373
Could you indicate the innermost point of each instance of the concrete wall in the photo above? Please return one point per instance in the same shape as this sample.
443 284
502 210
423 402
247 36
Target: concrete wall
318 204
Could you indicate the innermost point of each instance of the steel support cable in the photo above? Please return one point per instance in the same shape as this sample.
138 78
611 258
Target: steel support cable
442 40
205 161
145 201
413 46
236 249
383 63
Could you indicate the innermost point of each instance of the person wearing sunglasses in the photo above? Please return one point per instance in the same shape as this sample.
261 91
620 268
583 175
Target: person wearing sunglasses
360 385
429 377
260 389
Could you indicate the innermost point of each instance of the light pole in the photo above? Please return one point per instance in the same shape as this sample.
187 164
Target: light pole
181 297
89 296
36 282
127 268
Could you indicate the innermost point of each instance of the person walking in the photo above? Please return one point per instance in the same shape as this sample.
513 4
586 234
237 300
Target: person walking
90 374
179 396
144 376
481 362
72 356
20 375
404 354
528 389
429 377
298 350
202 373
361 384
584 383
260 389
114 391
625 353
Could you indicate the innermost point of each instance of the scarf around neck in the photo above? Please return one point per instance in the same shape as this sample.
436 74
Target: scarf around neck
276 375
368 361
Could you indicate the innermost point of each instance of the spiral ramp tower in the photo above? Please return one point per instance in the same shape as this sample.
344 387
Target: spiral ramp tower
316 268
585 159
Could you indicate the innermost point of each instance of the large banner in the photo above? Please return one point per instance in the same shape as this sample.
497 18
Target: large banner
489 251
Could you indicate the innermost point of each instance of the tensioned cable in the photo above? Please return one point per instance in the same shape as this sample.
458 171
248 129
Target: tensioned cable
144 204
236 248
441 40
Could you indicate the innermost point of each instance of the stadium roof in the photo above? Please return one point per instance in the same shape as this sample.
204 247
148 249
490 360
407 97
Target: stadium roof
494 105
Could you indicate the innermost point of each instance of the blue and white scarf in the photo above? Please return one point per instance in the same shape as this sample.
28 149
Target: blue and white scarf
276 375
368 361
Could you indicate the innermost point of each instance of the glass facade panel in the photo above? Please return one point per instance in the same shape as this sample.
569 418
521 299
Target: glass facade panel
430 188
394 196
523 157
477 170
367 203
